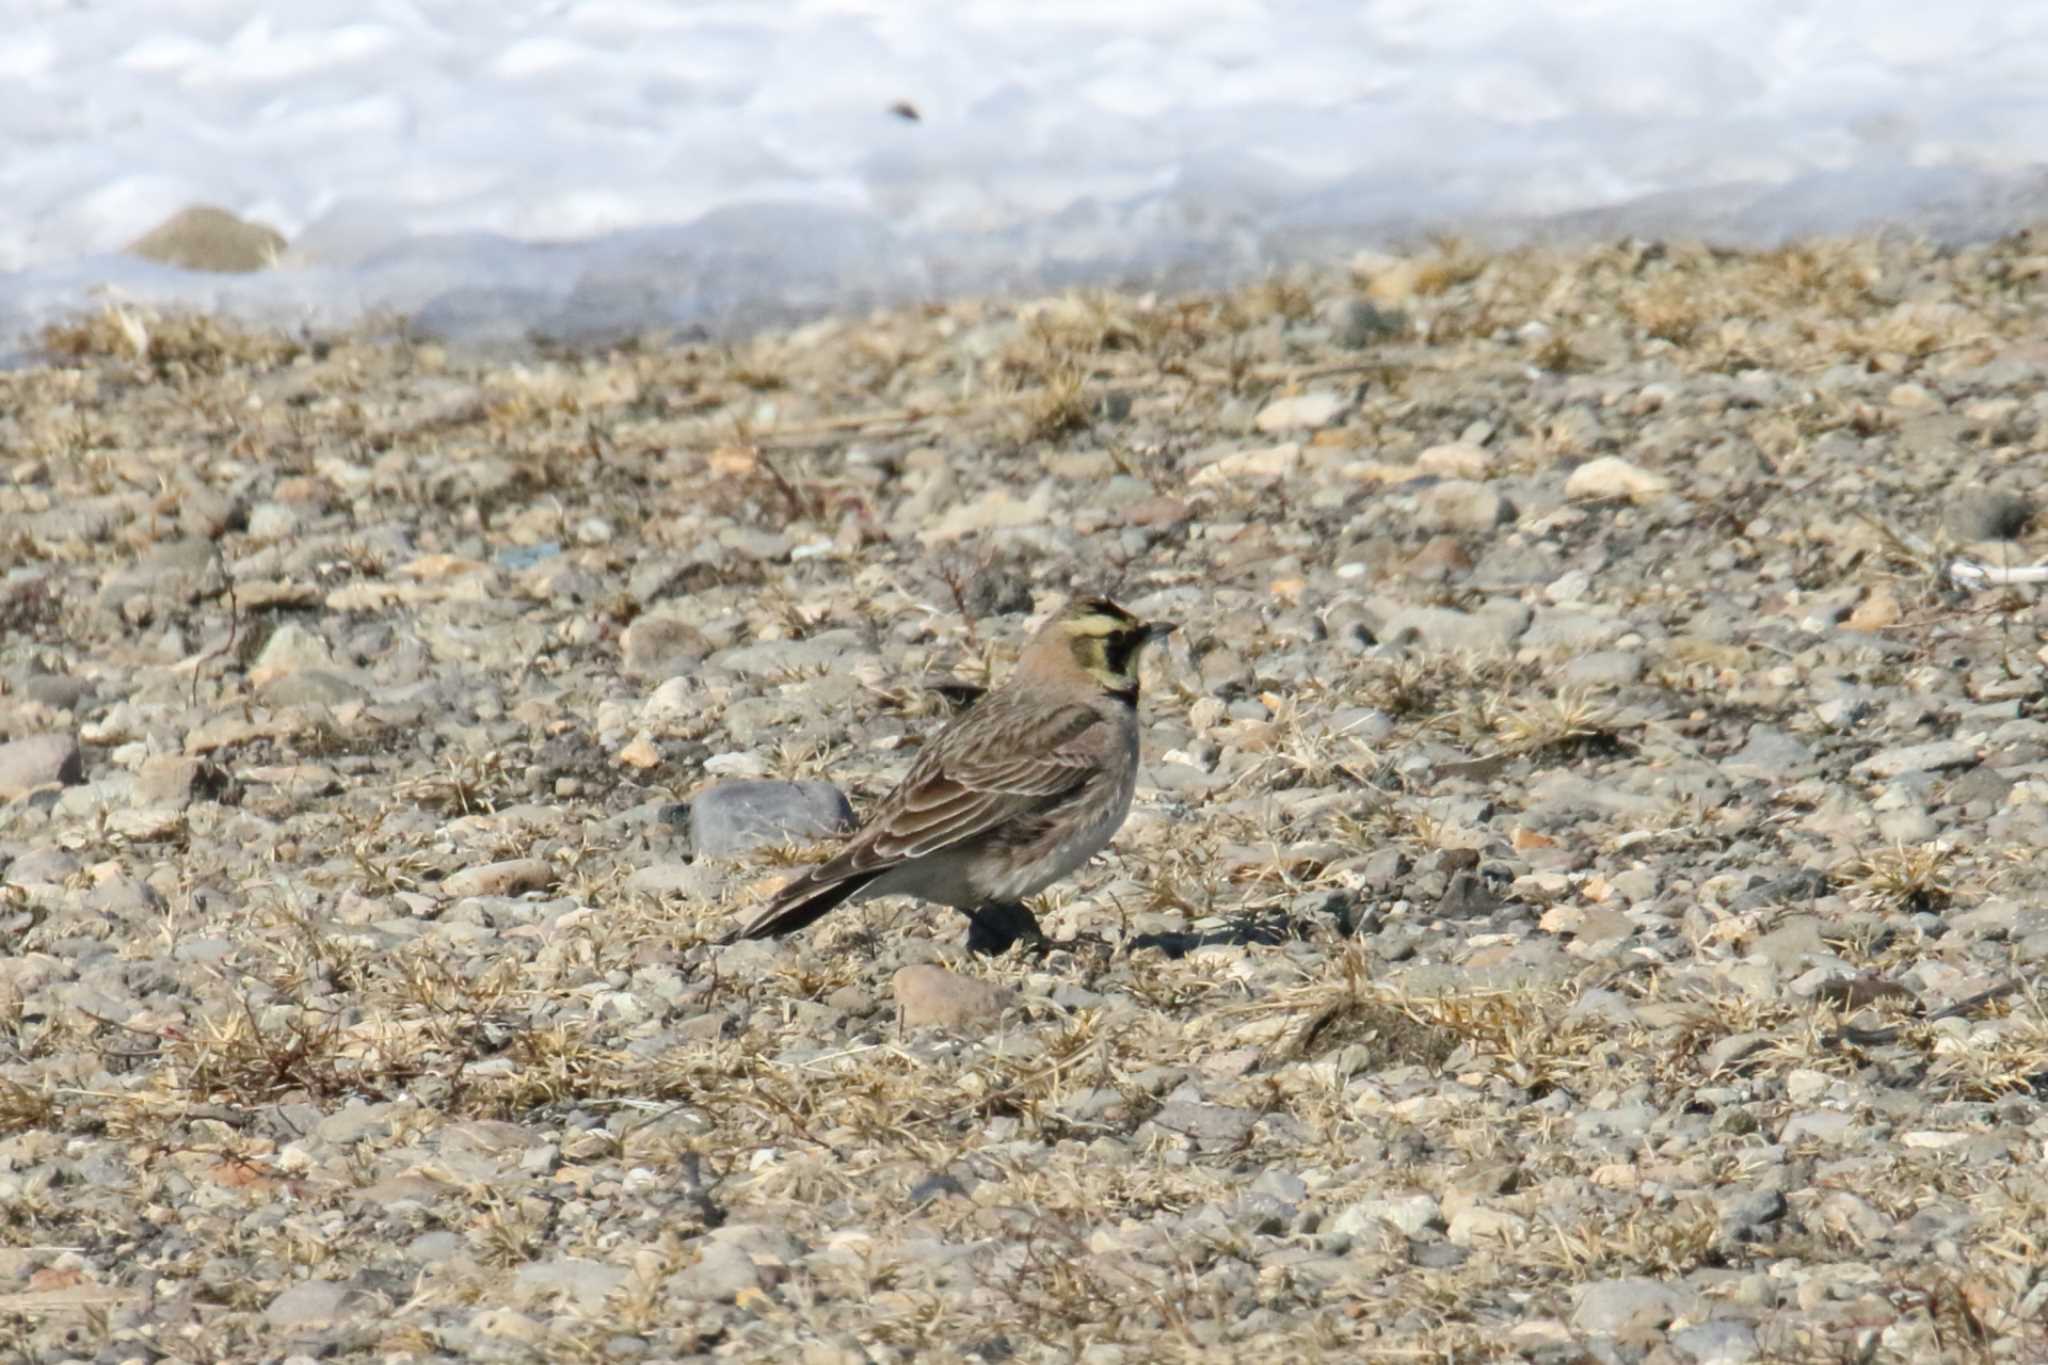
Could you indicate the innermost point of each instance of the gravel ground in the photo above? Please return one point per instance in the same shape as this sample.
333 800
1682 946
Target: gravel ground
1584 901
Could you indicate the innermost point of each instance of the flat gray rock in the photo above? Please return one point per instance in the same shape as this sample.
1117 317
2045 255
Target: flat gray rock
37 761
1918 758
736 817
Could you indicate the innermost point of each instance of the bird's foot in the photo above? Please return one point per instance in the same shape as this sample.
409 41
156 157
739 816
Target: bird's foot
995 929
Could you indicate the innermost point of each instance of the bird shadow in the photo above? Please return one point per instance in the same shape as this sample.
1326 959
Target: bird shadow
1242 931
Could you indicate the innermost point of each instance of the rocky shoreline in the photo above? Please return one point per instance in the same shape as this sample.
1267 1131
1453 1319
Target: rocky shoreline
1583 902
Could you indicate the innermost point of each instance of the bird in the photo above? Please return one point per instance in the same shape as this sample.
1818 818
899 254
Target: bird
1022 788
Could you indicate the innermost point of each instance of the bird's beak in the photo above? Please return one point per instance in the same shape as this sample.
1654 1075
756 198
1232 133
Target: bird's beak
1156 630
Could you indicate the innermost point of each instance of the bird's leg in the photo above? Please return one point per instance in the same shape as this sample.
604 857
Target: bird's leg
993 928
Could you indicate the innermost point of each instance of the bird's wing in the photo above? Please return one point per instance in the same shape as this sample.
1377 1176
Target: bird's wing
993 766
990 769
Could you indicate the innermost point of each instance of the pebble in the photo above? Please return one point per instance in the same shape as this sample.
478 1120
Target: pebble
1250 466
1611 1307
931 997
1988 514
310 1302
1610 477
1938 756
1455 460
1302 411
656 646
39 760
737 817
512 877
1461 505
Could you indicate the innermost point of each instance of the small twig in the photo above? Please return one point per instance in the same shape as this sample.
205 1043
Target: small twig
1974 575
234 626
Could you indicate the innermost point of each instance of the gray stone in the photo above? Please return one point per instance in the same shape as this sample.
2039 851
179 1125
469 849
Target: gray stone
513 877
1568 629
1918 758
1355 324
1491 629
721 1274
929 996
1828 1127
1751 1215
166 780
735 817
312 687
1770 753
780 660
1461 505
58 691
312 1301
1609 1307
1718 1341
585 1283
656 646
292 646
1412 1215
1210 1126
37 761
1988 514
1303 410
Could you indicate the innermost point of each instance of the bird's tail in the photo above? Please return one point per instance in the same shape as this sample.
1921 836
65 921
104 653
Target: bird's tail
803 902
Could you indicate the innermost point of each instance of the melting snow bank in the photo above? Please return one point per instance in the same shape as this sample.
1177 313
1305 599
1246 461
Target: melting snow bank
742 268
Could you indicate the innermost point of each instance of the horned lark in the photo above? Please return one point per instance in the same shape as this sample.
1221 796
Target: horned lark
1025 787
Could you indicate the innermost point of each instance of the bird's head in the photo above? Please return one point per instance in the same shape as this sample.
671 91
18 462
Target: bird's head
1099 639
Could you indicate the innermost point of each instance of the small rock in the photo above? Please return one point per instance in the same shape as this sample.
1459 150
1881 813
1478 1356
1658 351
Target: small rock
1413 1214
720 1275
1461 505
582 1282
509 878
310 1301
1609 1307
1270 462
1303 410
1455 460
1879 608
999 509
1209 1126
1475 1223
661 647
38 760
167 780
735 817
1355 324
929 996
58 691
1492 628
290 647
640 752
1769 753
269 521
1718 1341
1613 477
1440 558
1918 758
1988 514
203 237
1603 668
311 687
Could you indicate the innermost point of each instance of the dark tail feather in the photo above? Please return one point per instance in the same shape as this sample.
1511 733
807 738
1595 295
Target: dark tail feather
801 903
